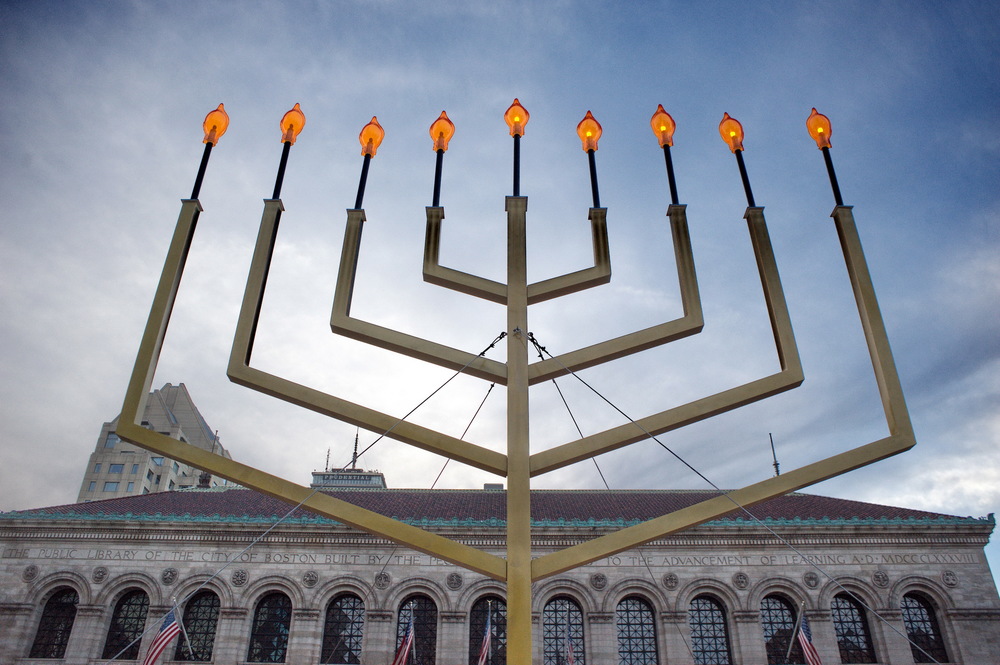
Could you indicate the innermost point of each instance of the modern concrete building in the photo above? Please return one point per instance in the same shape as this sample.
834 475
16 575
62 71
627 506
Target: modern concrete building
117 468
82 583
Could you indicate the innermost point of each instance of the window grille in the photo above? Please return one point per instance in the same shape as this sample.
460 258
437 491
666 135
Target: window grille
636 632
709 632
497 609
343 630
55 625
851 626
562 632
424 613
127 623
269 636
200 619
923 630
777 619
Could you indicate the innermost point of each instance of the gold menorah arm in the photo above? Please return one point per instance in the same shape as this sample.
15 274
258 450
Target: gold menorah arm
631 537
435 273
690 323
897 416
241 372
311 500
341 321
599 273
789 377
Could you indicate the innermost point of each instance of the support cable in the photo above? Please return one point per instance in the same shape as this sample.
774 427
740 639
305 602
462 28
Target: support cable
177 604
736 503
614 499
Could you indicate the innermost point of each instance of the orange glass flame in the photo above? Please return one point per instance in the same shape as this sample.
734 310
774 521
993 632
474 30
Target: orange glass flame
589 131
291 124
731 132
215 125
819 128
663 126
516 118
371 137
441 132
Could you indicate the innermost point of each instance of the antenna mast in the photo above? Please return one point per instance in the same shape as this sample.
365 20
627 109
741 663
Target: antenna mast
777 470
354 458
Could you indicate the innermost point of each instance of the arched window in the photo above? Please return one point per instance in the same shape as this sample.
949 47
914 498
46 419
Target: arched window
562 632
127 624
423 612
495 608
342 632
55 625
851 626
636 632
777 618
709 633
922 629
200 618
269 635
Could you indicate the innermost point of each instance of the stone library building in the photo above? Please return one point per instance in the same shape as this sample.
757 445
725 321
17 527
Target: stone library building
90 583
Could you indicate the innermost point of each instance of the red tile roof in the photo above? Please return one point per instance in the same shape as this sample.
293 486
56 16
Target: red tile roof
549 507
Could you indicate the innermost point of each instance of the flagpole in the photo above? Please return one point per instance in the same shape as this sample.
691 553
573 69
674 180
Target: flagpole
187 640
795 631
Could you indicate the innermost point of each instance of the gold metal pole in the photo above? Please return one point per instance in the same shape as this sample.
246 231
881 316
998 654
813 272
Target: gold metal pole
518 442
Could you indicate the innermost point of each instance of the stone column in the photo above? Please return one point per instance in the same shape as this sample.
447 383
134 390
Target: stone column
602 638
824 635
306 637
231 636
86 642
453 638
890 646
675 638
748 638
17 621
379 644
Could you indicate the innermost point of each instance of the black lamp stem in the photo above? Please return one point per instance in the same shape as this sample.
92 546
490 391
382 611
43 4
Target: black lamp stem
201 170
362 182
281 169
517 164
437 178
593 178
833 177
746 180
670 174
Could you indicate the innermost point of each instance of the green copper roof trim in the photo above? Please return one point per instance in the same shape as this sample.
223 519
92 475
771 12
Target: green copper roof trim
497 522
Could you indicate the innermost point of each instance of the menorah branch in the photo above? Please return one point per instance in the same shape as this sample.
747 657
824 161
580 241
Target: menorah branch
690 323
789 377
341 322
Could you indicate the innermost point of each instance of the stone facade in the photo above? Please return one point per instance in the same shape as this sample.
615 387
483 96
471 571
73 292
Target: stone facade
102 555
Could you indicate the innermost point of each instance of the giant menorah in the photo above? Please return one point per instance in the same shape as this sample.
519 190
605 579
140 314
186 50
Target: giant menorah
517 569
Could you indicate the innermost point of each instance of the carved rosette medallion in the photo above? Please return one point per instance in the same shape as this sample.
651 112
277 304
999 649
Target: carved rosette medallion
950 578
880 578
168 576
670 581
30 573
240 577
811 579
598 581
454 581
383 580
99 575
741 580
310 578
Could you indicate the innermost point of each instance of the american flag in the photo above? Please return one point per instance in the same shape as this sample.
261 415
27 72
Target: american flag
805 639
484 651
168 631
406 646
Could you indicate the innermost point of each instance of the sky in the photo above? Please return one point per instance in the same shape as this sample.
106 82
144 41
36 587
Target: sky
102 105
